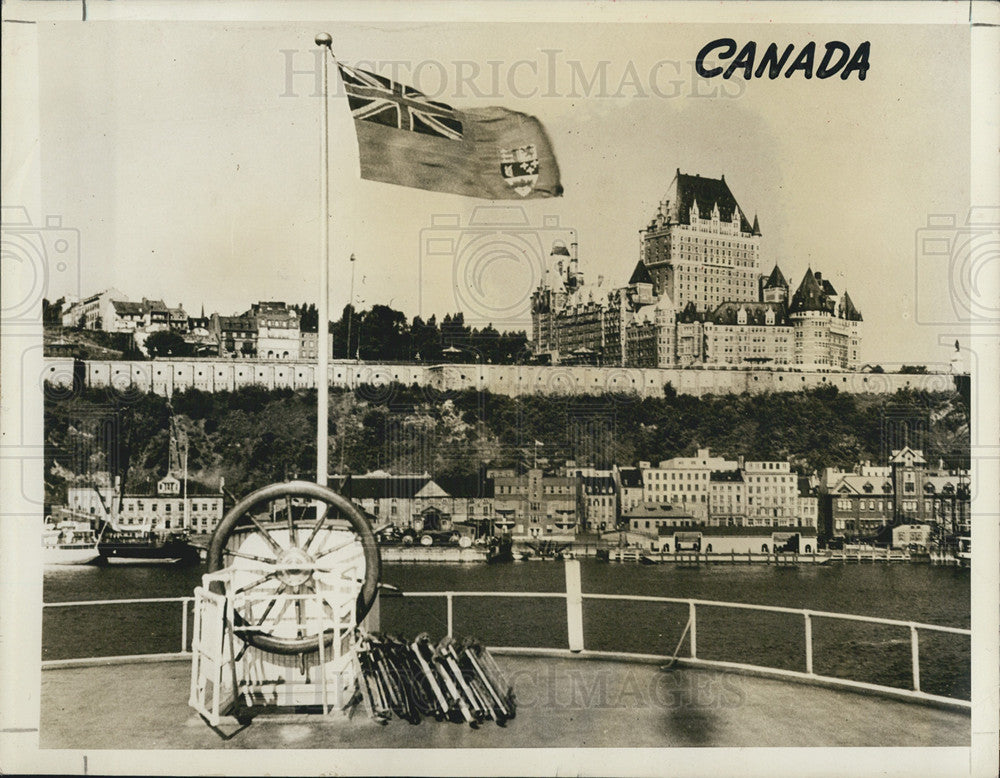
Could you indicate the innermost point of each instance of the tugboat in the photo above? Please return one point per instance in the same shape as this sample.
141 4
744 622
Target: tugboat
123 547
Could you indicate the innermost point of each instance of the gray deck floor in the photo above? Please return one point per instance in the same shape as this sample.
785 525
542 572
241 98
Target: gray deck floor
561 703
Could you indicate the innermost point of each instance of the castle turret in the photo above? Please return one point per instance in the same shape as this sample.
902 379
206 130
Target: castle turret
775 287
826 329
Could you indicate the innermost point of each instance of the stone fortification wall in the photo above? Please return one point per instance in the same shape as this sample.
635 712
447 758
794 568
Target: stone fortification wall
211 375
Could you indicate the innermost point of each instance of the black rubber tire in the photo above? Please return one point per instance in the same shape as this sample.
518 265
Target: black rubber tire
349 511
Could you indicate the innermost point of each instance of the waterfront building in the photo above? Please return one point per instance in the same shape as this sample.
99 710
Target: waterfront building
168 505
863 503
630 488
913 536
738 540
598 503
808 501
683 480
402 500
418 501
772 494
471 498
650 518
730 493
535 504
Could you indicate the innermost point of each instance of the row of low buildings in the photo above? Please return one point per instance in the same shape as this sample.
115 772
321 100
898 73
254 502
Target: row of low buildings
268 330
703 492
169 505
696 297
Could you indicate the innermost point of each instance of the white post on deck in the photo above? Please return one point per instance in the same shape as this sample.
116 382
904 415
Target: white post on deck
574 605
694 629
450 599
915 654
184 624
809 642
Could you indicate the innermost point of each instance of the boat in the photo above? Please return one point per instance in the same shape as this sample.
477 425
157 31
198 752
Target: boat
69 543
123 547
964 551
500 549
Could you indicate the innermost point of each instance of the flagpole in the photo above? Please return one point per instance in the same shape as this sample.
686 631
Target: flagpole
323 40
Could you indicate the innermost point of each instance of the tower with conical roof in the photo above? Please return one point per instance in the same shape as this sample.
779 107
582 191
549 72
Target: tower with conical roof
700 247
774 288
827 326
559 279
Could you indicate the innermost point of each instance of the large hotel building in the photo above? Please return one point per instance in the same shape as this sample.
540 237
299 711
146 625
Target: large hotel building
697 297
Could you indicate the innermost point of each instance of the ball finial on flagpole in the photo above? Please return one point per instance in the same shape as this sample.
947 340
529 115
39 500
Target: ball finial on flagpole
324 39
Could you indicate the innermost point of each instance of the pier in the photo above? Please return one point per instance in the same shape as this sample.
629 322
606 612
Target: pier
697 558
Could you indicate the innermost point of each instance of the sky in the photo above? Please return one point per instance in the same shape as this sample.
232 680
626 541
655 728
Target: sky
189 160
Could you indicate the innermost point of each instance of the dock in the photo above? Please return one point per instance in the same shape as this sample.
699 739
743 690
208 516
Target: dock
415 553
699 558
870 554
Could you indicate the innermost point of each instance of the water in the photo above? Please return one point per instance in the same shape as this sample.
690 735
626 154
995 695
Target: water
874 653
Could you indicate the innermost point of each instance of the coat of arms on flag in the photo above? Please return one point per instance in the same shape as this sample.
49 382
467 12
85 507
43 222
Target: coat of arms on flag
520 168
406 138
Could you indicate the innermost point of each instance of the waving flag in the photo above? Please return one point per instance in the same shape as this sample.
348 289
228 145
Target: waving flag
406 138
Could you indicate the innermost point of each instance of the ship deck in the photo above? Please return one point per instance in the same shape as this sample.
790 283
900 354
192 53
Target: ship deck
563 702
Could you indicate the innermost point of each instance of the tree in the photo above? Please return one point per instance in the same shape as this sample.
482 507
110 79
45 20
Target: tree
52 312
913 369
383 334
167 344
308 317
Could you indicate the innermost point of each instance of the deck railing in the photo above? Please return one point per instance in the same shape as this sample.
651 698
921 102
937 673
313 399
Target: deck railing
575 598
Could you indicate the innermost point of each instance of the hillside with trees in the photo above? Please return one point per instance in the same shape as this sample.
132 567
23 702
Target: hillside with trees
256 436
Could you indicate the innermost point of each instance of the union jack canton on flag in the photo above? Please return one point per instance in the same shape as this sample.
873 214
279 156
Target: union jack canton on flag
406 138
